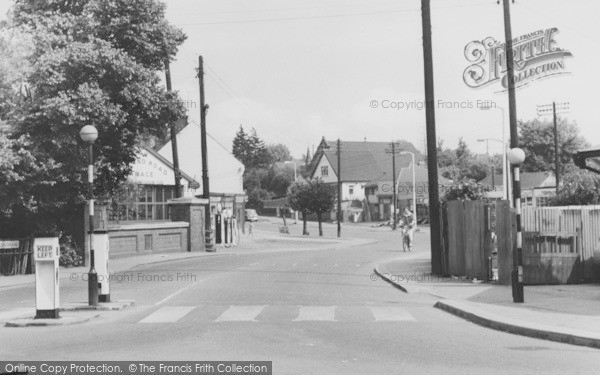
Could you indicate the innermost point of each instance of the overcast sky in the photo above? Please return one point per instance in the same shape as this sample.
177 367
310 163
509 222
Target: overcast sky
300 70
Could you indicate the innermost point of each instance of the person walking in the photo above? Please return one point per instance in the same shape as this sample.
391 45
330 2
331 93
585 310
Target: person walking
407 223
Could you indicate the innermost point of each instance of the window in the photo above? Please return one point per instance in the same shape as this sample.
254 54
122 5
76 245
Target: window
324 171
351 189
141 202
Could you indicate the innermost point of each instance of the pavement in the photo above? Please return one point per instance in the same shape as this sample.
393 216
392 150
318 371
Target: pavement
563 313
261 241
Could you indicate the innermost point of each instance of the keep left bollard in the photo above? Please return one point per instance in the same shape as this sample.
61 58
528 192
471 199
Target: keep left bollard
101 250
46 252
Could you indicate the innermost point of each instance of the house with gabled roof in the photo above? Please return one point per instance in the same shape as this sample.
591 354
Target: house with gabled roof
537 188
361 163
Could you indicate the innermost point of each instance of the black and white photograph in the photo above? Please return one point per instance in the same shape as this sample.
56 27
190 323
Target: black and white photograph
299 187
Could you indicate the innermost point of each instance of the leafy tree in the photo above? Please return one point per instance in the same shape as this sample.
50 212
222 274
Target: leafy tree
256 199
300 199
536 138
279 152
278 180
323 198
88 62
250 150
579 187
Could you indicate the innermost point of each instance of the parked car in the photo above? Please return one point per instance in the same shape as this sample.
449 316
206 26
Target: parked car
250 215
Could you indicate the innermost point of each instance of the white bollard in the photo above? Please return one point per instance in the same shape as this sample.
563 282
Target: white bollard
46 253
101 253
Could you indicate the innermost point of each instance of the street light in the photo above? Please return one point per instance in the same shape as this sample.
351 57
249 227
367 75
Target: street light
89 134
295 179
487 148
505 178
414 183
516 157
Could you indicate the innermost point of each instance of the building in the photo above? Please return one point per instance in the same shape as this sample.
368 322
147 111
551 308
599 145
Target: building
224 170
362 164
141 218
537 188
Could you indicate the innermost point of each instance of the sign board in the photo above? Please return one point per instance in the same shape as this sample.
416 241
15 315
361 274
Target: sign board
4 244
46 249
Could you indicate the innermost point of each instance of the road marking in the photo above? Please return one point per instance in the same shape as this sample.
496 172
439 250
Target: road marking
240 314
316 313
177 292
254 264
390 313
168 314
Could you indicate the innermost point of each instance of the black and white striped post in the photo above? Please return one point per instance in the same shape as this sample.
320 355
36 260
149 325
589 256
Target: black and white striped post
516 157
89 134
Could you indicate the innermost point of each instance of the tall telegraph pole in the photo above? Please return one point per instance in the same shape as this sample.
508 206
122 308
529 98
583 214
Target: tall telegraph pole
205 185
517 272
432 167
339 188
393 150
173 131
554 108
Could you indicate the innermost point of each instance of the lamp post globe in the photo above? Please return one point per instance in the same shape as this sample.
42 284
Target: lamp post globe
88 133
516 156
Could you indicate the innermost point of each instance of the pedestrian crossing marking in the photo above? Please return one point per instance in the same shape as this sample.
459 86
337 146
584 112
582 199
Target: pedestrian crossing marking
390 313
168 314
264 313
316 313
240 314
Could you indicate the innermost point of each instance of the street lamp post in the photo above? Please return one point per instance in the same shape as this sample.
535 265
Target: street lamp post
505 179
414 183
89 134
295 179
487 140
516 157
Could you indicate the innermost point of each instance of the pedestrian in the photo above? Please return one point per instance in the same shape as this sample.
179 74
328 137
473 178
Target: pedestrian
251 229
407 223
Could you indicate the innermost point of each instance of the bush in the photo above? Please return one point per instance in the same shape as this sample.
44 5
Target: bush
69 254
465 190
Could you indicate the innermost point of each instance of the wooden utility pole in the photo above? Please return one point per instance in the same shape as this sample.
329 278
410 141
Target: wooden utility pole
432 167
517 272
393 150
555 108
173 130
205 182
339 189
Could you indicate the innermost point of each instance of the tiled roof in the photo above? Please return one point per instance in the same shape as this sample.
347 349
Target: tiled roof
364 161
529 180
421 176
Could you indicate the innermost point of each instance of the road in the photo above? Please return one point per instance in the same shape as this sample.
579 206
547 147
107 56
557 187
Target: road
310 312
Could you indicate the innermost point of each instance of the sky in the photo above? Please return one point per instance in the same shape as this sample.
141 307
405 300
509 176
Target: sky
299 71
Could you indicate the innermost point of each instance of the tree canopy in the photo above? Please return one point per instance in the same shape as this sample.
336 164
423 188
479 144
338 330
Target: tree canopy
84 62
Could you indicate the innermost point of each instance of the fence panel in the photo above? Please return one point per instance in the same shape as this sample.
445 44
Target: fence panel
505 232
16 256
456 238
476 244
583 220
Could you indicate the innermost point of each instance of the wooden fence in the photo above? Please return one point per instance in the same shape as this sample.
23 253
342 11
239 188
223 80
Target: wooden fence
466 237
16 257
570 235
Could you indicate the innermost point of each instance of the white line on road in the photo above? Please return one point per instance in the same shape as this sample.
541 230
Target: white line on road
390 313
240 314
316 313
177 292
253 264
168 314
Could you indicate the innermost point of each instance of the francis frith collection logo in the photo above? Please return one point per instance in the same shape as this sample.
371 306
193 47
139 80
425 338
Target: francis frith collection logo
536 55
